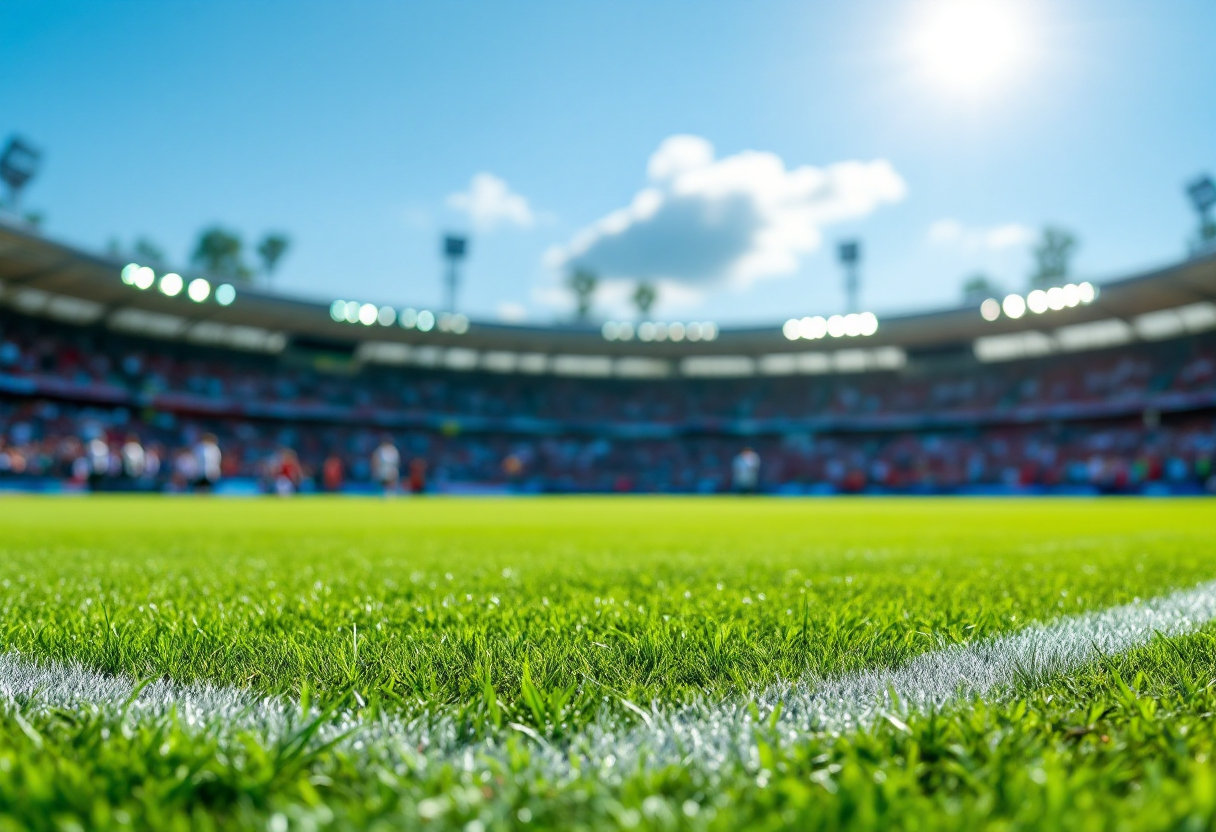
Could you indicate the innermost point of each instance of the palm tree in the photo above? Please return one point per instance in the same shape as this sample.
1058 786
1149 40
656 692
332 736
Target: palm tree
218 252
148 252
583 282
1052 256
979 287
644 297
271 250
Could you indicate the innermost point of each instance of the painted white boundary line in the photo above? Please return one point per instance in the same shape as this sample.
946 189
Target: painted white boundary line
706 734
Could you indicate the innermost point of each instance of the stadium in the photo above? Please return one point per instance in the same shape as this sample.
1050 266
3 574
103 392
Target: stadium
646 525
1109 389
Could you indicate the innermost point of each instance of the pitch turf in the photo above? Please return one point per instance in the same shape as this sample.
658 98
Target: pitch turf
501 646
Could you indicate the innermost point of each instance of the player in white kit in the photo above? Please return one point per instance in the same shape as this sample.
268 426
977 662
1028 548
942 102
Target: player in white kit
386 465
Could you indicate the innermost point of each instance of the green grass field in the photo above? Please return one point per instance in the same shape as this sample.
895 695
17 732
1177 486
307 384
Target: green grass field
464 664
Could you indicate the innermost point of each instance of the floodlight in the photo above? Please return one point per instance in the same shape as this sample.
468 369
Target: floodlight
128 273
198 290
609 330
171 284
836 326
352 311
676 331
660 331
852 324
1055 298
337 310
849 253
1202 191
455 249
408 318
791 329
426 320
1037 301
1087 291
1014 306
225 294
709 331
368 313
460 323
1072 295
694 331
869 323
625 331
387 316
990 309
18 165
646 331
143 278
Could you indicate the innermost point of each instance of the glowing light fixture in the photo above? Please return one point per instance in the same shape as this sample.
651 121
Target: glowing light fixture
426 320
198 290
171 284
225 294
990 309
1014 306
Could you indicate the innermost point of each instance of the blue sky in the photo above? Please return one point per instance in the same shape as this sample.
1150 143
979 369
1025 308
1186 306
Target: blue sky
350 126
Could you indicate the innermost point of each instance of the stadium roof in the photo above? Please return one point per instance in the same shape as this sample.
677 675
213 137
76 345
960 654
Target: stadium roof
39 276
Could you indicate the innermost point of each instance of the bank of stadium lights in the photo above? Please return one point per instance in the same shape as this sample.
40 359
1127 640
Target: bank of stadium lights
853 325
423 320
659 331
1040 301
171 284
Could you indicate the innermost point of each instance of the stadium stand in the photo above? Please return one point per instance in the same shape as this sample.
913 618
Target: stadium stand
1118 395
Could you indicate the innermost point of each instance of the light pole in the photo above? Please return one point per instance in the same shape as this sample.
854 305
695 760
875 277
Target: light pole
18 165
1202 192
455 248
849 253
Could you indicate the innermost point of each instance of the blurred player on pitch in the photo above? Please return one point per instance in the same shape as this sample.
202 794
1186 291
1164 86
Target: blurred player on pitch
386 465
745 472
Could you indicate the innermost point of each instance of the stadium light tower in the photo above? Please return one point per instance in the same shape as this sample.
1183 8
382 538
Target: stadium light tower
1202 192
455 248
849 253
18 165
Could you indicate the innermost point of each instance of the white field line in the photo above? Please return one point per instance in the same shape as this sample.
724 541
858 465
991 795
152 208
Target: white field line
707 734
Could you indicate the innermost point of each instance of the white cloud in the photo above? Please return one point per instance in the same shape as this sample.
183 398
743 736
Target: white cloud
1009 235
490 202
735 219
997 238
511 312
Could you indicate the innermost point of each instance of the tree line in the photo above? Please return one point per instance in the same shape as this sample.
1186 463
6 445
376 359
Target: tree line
219 252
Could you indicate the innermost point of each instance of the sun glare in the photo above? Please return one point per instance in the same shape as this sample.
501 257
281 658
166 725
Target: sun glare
970 45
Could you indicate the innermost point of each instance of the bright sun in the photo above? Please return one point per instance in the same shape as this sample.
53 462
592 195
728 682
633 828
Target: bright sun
970 45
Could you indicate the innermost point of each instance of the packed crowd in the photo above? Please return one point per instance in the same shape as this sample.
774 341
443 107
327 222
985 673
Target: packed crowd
120 445
33 349
111 448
